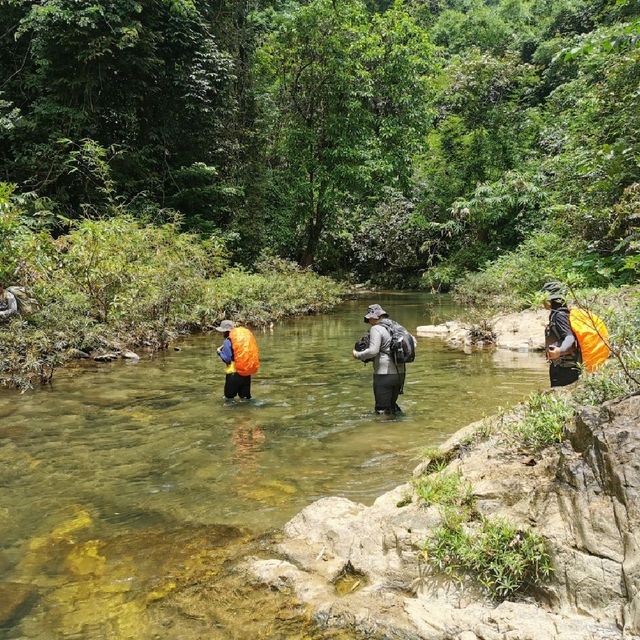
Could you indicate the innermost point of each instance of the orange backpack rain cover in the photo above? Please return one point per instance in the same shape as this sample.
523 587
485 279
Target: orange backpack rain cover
245 351
592 336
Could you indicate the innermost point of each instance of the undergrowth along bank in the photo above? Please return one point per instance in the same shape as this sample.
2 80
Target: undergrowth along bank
118 283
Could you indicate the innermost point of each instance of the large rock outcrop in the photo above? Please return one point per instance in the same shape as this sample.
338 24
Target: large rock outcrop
523 331
363 567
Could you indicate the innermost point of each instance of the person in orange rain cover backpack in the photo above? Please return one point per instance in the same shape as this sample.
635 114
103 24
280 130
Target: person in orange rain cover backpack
240 353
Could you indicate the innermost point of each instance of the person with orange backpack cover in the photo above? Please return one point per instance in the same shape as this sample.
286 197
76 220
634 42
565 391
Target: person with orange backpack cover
573 337
240 353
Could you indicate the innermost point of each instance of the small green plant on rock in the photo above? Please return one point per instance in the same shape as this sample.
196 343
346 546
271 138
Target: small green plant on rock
447 490
544 418
437 458
503 558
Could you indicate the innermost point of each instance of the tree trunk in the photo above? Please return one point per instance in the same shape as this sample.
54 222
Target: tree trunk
314 230
315 226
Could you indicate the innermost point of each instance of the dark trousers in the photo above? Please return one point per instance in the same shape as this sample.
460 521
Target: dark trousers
386 389
237 385
562 376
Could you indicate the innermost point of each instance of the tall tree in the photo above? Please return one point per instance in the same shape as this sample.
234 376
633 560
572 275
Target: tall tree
145 81
343 97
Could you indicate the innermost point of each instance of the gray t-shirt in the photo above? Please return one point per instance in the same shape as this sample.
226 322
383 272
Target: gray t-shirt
379 342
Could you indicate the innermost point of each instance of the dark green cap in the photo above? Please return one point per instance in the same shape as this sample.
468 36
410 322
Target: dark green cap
555 290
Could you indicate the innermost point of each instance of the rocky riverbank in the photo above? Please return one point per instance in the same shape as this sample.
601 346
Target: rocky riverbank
522 331
365 568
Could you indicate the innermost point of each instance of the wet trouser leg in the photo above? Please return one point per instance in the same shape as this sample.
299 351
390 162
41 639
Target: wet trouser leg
386 389
237 385
562 376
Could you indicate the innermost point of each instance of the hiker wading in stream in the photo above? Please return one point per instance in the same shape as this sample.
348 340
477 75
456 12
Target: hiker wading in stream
239 352
388 373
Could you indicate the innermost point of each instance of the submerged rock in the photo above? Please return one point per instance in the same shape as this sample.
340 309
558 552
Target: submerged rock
109 587
78 354
105 357
14 600
432 331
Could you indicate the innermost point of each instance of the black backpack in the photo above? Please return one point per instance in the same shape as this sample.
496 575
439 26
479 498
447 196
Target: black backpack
403 344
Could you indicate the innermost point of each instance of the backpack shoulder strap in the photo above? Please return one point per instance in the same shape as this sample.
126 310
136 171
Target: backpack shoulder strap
388 325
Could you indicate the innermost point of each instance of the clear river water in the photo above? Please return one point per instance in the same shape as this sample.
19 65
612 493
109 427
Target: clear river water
130 492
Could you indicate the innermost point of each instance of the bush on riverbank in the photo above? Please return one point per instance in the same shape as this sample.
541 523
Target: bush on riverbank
504 559
118 283
279 288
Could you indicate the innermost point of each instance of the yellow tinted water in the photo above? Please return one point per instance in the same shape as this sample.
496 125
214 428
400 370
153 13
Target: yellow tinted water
130 492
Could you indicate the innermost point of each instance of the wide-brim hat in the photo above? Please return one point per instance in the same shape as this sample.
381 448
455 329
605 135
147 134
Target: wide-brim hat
375 311
225 325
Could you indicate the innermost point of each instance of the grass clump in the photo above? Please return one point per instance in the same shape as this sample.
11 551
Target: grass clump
544 419
504 559
434 454
438 458
447 490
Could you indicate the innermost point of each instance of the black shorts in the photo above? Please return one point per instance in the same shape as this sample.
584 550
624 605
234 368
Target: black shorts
562 376
237 385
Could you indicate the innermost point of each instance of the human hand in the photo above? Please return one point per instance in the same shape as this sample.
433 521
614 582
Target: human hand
553 353
219 349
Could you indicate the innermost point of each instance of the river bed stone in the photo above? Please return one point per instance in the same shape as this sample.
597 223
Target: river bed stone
522 331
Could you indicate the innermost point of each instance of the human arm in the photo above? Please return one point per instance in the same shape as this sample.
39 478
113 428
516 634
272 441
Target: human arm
225 351
376 335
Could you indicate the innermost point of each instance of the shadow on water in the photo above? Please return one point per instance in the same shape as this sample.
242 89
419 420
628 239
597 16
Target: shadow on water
131 493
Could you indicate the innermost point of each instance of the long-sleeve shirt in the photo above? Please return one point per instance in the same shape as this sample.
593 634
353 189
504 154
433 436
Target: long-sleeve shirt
226 353
8 305
559 334
379 343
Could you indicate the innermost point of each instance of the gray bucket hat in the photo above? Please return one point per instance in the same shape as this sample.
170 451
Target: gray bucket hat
225 325
375 311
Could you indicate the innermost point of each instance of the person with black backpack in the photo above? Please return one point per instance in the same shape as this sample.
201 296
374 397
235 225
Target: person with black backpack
390 346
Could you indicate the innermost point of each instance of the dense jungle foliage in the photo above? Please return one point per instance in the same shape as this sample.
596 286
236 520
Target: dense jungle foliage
114 283
395 141
148 148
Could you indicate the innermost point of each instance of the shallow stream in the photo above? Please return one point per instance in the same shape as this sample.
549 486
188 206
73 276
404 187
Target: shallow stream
129 492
